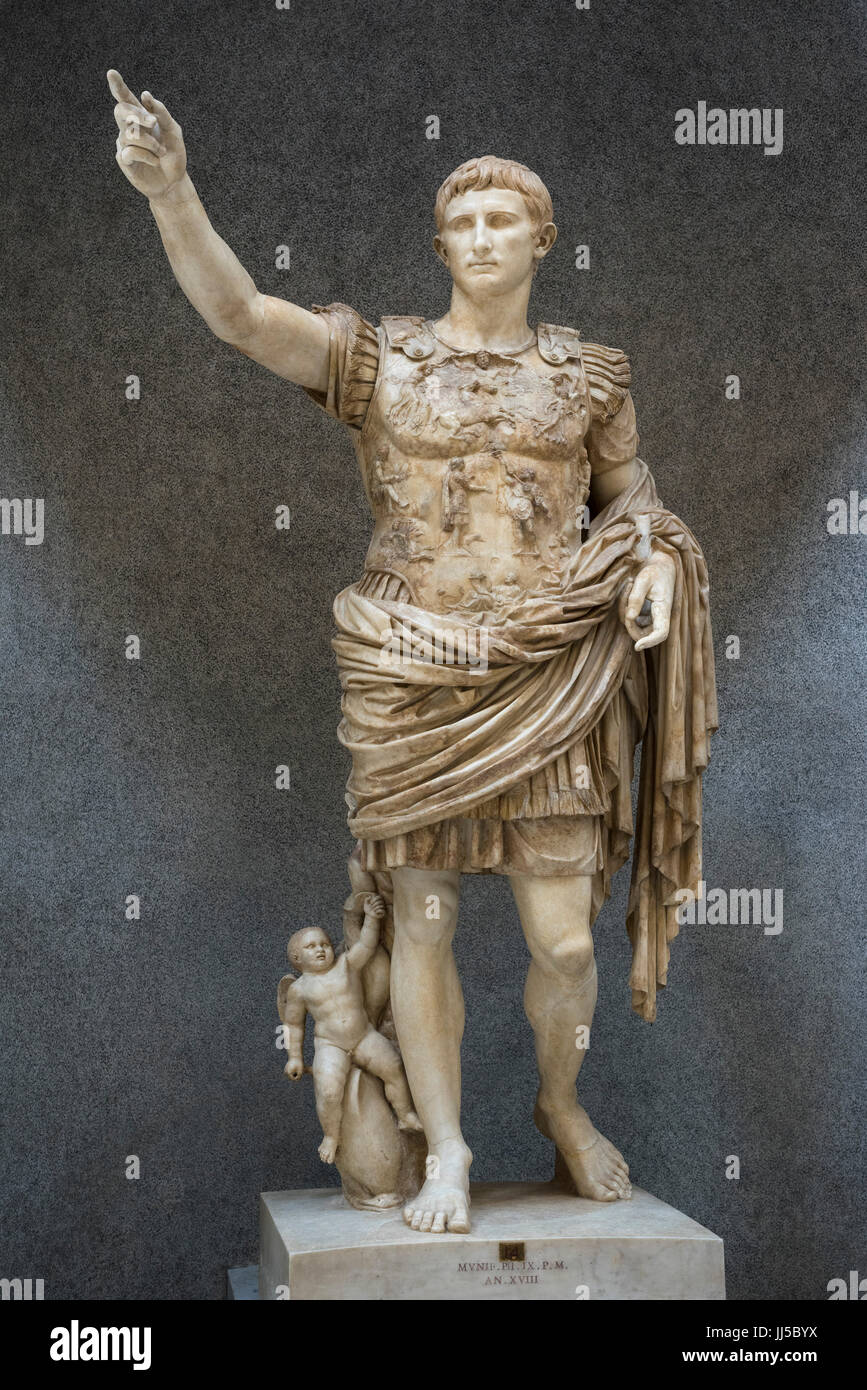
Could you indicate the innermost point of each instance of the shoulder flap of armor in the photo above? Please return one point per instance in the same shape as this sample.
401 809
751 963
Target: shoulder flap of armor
609 376
557 344
409 334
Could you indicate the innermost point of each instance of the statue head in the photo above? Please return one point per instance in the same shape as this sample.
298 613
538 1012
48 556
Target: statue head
494 225
310 950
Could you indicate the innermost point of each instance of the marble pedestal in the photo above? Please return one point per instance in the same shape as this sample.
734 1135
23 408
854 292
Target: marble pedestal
529 1241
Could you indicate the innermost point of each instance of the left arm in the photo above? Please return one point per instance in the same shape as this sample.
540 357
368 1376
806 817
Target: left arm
612 447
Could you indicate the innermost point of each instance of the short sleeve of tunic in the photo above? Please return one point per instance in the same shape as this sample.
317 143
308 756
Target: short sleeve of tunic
352 365
612 439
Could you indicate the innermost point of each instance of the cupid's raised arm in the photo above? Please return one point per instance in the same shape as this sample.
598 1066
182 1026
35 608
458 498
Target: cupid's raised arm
374 910
282 336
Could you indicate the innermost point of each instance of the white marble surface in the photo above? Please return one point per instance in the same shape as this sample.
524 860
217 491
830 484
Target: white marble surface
314 1246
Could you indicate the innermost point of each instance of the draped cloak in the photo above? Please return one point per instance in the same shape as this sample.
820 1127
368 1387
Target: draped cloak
430 740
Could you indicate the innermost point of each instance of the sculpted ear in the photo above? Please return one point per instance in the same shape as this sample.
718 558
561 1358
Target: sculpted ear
440 250
545 239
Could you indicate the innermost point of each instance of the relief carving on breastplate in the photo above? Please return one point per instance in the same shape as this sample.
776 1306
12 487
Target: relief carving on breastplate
476 468
521 498
568 401
458 483
385 481
453 398
473 399
403 545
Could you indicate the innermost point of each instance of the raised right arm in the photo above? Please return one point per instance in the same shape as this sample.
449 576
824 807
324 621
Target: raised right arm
285 338
359 954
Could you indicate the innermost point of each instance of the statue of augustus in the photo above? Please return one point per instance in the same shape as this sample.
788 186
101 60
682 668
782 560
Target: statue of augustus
485 447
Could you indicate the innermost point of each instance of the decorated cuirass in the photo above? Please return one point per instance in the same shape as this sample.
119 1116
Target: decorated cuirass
475 467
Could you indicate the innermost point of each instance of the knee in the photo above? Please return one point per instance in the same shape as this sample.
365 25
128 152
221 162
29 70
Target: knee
569 955
329 1091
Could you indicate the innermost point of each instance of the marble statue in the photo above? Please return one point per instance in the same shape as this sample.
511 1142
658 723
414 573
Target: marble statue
379 1148
482 443
329 988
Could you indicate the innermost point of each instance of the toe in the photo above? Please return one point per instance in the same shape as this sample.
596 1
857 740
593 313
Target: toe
604 1194
439 1223
408 1213
426 1221
460 1222
417 1220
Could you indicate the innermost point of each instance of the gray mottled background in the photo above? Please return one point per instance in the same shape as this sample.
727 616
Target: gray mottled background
306 127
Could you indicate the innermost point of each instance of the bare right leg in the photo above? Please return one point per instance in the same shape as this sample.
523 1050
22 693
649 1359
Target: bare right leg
428 1010
330 1070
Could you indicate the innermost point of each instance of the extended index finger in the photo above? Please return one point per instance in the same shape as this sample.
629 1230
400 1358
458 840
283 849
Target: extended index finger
119 90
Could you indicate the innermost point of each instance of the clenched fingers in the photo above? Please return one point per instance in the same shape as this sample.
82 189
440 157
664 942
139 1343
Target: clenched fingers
659 628
629 613
132 154
140 141
638 593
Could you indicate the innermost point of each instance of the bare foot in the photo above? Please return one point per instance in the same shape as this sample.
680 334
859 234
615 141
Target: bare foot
444 1201
410 1121
328 1149
597 1169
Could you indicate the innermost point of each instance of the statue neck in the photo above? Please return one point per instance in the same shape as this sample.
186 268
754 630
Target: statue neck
496 324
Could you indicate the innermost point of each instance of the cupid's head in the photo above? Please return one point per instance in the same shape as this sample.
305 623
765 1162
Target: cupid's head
494 225
311 950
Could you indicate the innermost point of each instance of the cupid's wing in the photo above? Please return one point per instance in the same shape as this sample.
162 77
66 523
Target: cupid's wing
283 996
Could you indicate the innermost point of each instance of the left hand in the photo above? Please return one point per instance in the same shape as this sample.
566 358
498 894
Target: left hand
374 905
654 581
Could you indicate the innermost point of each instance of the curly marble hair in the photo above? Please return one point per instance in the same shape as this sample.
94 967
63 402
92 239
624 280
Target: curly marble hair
488 171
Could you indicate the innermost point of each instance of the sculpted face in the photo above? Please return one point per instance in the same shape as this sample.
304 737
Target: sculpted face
314 951
489 242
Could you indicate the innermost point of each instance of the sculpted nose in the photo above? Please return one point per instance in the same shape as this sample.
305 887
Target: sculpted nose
482 239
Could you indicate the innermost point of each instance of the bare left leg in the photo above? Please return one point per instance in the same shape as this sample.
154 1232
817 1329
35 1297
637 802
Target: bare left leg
559 998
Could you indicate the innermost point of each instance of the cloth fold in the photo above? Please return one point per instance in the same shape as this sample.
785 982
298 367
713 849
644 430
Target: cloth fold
431 738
